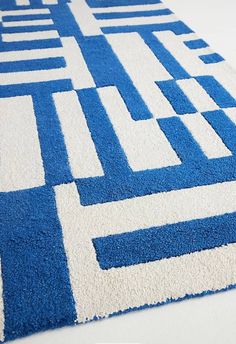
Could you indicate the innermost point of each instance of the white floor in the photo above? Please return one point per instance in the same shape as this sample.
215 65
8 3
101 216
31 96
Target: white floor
207 320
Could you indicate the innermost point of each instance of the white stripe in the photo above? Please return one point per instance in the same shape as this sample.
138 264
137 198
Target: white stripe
119 289
151 210
134 8
1 307
28 23
231 113
188 36
22 2
204 134
144 69
83 158
197 95
25 12
49 2
76 65
137 21
30 54
145 145
21 163
33 76
84 18
29 36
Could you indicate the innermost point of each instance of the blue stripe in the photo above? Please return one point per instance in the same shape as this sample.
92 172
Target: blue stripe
29 45
177 27
7 18
65 23
196 44
146 245
216 91
164 56
199 171
108 148
113 15
29 65
179 101
111 3
53 149
224 127
211 58
35 87
181 140
34 268
27 28
99 58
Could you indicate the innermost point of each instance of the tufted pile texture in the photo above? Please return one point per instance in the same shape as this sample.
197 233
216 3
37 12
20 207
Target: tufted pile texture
117 162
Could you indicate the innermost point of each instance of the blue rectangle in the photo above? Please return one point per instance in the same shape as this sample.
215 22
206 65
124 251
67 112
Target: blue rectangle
211 58
147 245
196 44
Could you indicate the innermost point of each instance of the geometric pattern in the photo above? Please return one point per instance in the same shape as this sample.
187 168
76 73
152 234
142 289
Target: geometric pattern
118 162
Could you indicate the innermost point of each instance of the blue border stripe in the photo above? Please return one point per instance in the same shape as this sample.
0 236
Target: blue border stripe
113 15
179 101
30 65
37 294
147 245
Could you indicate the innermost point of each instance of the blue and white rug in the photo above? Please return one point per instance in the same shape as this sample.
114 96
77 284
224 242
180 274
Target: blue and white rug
118 162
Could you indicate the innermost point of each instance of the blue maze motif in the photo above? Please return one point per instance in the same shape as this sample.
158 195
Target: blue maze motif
71 51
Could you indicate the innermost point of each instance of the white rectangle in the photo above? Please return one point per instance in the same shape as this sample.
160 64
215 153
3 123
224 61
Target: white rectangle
76 65
21 163
22 2
29 36
28 23
137 20
84 18
205 135
82 154
19 55
33 76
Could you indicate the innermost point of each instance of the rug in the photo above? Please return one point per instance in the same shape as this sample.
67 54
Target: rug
118 166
